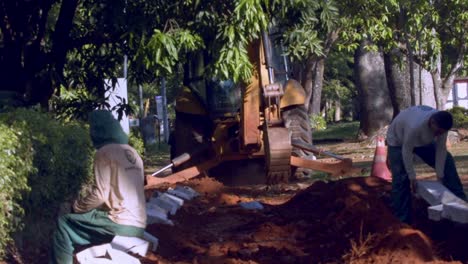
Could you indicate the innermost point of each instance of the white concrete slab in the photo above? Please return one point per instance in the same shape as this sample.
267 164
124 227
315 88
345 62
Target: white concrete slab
135 245
154 241
184 192
98 261
173 198
169 197
435 212
120 257
87 255
157 215
151 204
457 212
434 192
444 204
168 204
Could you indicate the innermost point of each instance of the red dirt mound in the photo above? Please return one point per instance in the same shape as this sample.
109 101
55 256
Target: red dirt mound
343 221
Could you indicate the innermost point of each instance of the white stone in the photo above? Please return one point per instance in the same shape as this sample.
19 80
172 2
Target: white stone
183 192
444 203
154 241
435 212
173 198
98 261
156 208
90 253
457 212
434 192
166 203
135 245
120 257
156 215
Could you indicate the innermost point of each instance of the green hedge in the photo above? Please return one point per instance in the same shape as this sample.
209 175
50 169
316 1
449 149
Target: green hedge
135 140
15 166
460 117
49 162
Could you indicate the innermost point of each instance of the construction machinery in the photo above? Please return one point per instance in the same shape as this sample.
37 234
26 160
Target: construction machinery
230 125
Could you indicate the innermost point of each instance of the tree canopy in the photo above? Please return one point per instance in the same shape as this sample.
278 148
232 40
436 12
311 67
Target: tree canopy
50 47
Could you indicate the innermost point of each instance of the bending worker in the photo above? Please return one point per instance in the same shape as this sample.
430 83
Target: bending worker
419 130
116 204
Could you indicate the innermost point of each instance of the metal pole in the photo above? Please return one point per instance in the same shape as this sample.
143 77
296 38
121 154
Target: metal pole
285 61
140 95
125 66
165 118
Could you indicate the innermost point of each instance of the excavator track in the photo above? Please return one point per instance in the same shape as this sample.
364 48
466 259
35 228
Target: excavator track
278 149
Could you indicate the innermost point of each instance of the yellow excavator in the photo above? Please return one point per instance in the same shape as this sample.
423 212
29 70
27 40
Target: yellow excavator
222 126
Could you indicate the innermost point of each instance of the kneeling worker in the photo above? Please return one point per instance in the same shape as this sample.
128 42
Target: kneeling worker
419 130
116 204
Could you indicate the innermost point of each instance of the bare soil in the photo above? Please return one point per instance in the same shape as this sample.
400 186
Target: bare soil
346 220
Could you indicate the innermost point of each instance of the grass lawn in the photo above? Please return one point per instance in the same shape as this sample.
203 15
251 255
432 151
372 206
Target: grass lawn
156 156
338 131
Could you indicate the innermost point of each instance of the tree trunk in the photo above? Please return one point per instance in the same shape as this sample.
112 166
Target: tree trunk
442 88
315 69
375 105
315 100
337 111
308 81
25 67
398 81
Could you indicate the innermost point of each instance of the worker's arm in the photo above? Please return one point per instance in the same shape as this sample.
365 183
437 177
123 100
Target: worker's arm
96 197
441 155
407 155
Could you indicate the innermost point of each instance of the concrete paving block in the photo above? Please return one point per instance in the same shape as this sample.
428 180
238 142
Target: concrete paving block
98 261
156 215
120 257
435 212
87 255
434 192
154 241
183 192
156 208
456 212
166 203
135 245
449 197
173 198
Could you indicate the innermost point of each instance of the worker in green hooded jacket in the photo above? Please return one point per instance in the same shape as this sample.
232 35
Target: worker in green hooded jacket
116 203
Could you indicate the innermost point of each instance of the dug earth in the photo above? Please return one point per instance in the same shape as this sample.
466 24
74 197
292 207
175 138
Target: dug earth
342 221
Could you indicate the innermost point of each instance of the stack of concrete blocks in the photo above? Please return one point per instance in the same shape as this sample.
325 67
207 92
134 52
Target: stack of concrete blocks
116 251
443 203
157 209
163 204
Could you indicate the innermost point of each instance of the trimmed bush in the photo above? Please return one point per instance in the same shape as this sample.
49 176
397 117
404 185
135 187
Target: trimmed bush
135 140
317 122
16 161
460 117
61 155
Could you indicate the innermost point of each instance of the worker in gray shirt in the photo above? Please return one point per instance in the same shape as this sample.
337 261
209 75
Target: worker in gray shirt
420 130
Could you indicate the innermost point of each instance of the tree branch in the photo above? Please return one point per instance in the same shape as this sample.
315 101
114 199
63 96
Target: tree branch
61 35
5 24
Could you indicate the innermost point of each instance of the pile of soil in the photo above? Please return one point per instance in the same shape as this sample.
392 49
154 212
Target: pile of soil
345 221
